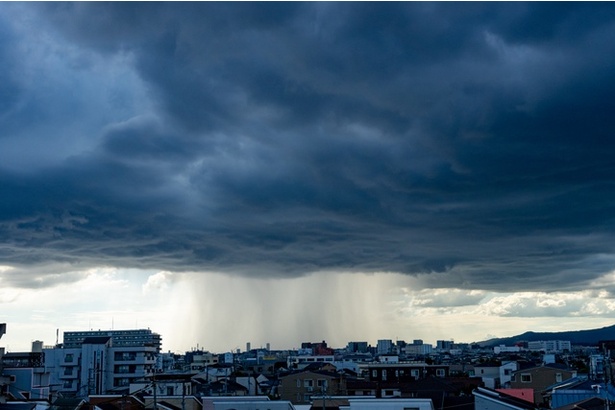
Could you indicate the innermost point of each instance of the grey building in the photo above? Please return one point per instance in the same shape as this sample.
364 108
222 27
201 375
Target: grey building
101 362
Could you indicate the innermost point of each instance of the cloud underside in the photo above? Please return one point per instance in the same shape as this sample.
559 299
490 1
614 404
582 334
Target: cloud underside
469 146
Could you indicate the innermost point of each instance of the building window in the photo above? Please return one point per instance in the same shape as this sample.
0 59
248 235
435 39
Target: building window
440 372
126 356
68 358
374 373
170 391
526 378
121 382
68 384
384 375
558 377
298 383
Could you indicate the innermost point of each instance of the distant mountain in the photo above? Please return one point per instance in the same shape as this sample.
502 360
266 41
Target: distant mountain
576 337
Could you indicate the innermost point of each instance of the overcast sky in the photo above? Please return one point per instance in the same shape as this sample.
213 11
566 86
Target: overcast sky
284 172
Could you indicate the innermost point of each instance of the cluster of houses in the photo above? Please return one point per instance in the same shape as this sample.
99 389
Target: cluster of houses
127 370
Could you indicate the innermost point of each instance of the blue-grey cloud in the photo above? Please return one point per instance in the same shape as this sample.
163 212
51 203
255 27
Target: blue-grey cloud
287 138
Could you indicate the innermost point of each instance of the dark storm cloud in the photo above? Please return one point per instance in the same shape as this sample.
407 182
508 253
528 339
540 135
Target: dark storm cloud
473 139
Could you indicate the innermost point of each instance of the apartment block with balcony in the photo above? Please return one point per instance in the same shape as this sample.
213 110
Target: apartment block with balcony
98 366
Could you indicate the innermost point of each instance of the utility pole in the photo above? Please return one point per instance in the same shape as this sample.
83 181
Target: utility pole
155 396
183 395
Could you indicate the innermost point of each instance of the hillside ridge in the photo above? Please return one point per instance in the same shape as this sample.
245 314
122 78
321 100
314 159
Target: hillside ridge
589 337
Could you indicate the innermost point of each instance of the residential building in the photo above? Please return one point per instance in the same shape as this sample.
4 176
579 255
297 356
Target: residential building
444 345
26 375
402 372
117 401
171 384
388 358
357 347
301 361
201 360
539 379
121 338
578 389
494 374
384 346
550 346
250 403
299 387
361 387
507 349
385 404
98 366
418 349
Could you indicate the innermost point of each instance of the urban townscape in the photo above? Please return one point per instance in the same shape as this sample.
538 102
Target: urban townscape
307 205
129 370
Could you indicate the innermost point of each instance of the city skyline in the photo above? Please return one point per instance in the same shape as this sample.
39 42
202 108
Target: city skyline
293 171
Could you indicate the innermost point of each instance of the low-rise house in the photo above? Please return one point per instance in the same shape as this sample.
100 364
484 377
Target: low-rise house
594 403
115 402
577 389
496 375
350 403
361 387
68 403
172 403
539 379
167 384
299 387
523 394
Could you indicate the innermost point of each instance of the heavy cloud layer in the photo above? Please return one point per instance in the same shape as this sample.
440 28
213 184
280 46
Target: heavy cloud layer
471 143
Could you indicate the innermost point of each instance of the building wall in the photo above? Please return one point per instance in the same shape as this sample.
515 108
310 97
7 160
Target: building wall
31 383
97 368
298 388
482 403
539 378
419 349
384 346
401 372
386 404
121 338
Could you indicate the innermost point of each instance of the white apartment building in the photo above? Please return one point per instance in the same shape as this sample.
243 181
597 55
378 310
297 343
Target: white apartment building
302 361
98 366
384 346
554 346
420 350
